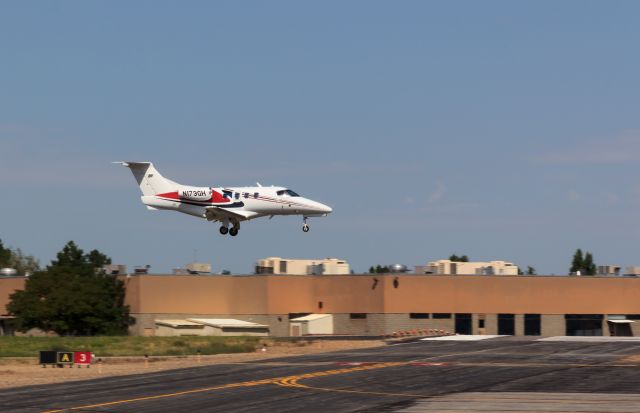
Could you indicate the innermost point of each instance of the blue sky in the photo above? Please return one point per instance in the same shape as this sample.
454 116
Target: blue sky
498 129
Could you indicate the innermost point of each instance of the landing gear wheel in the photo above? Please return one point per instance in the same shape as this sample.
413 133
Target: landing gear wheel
233 232
305 228
224 230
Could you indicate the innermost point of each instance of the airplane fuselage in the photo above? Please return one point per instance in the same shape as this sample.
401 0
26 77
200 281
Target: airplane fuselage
255 201
228 205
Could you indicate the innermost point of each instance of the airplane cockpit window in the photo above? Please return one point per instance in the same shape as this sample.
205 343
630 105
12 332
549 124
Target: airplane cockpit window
226 194
255 195
286 192
237 195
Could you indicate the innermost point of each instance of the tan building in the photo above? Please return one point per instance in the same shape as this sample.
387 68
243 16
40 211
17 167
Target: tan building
382 304
608 270
280 266
633 270
448 267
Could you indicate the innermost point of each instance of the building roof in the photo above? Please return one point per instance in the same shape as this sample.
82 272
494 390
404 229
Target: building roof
226 322
179 323
311 317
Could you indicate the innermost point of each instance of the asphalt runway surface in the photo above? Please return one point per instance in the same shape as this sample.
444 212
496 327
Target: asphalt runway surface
501 374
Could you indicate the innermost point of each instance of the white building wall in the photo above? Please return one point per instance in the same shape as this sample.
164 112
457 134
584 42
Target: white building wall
329 266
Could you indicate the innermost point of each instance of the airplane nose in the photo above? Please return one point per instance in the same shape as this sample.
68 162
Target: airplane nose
325 208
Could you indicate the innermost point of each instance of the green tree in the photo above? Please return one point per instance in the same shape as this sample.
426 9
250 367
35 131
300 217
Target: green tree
462 258
531 270
5 256
72 297
583 263
98 259
577 262
379 269
588 266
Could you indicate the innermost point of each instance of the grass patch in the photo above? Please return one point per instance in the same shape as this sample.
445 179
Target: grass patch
128 346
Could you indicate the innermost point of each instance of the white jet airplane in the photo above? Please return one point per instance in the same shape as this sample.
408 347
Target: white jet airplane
224 204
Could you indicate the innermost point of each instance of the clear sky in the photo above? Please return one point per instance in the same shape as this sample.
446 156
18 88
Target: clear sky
497 129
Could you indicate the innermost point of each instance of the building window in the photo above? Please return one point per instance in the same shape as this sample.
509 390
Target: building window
283 267
506 324
358 316
633 316
583 324
440 316
532 324
264 270
419 315
481 323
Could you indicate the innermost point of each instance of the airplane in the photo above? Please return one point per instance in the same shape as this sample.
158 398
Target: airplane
227 205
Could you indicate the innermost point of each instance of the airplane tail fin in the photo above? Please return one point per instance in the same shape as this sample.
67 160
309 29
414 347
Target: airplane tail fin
148 178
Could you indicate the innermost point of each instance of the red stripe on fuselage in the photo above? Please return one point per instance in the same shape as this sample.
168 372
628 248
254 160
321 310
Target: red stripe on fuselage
170 195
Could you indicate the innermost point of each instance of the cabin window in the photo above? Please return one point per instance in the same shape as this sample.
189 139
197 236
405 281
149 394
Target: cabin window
237 195
246 195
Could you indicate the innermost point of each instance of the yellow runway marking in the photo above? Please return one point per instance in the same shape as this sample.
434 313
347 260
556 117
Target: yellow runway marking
287 381
292 381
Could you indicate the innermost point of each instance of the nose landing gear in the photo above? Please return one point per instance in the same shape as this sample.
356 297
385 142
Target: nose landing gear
305 227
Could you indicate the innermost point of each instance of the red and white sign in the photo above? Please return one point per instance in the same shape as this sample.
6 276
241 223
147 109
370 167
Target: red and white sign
82 357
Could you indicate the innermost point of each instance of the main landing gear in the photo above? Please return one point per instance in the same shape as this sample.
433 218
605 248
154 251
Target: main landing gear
233 231
305 227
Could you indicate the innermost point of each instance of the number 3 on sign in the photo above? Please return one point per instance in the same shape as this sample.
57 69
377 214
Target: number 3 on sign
82 357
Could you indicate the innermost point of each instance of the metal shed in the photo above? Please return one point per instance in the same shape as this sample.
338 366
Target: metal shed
178 328
230 327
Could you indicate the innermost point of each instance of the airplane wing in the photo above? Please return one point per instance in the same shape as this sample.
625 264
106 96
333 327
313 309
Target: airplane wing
215 213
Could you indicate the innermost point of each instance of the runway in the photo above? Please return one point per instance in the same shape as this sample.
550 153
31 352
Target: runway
504 373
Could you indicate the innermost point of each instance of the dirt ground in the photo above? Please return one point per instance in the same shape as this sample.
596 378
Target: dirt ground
16 372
